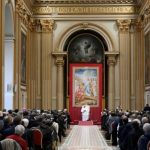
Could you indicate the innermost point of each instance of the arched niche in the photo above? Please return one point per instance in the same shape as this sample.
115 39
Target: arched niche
106 44
87 26
76 45
108 52
8 75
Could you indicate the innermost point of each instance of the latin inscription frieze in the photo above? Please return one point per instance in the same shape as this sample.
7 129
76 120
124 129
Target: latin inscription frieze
86 10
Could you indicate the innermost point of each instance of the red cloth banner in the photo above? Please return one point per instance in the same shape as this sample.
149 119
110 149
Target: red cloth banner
85 88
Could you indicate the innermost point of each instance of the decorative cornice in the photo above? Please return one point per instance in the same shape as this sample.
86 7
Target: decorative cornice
112 54
85 10
23 12
85 1
41 25
143 5
146 16
59 54
124 25
147 10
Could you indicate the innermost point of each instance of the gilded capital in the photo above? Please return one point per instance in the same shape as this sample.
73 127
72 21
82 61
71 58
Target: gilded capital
33 25
124 25
38 25
111 57
47 25
111 60
137 25
59 57
59 61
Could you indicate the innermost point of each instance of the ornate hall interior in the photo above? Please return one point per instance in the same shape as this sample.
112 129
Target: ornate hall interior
42 42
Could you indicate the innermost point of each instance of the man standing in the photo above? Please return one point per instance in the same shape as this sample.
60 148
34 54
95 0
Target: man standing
85 110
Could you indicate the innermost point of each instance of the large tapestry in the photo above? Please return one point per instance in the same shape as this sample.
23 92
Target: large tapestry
85 88
85 85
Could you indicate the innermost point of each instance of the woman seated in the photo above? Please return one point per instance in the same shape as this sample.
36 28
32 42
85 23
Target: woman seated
19 131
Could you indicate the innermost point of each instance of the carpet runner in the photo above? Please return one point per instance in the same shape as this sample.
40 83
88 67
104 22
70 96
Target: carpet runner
85 138
85 123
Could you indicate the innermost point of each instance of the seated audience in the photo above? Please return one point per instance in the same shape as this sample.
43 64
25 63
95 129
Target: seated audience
17 136
145 138
11 130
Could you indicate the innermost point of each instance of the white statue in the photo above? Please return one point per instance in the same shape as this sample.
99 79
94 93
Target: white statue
85 110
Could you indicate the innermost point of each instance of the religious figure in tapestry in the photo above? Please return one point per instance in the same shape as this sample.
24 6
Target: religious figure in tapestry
86 86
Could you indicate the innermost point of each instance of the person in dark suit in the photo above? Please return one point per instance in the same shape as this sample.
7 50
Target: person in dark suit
146 108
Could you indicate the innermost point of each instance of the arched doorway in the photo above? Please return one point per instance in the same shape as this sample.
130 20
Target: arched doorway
86 47
8 76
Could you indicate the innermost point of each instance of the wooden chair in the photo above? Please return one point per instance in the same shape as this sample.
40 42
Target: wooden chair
37 138
148 146
10 144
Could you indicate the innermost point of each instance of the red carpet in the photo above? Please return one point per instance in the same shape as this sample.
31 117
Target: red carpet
85 123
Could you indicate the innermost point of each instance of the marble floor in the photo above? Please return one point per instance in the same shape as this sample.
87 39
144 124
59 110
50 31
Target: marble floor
85 138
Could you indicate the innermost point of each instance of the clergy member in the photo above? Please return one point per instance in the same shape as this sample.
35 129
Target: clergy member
85 110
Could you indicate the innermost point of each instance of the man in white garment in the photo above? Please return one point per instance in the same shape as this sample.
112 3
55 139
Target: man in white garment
85 110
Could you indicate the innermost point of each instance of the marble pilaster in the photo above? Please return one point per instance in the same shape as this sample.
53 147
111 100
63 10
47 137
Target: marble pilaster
133 66
60 85
111 60
139 65
117 82
124 39
41 31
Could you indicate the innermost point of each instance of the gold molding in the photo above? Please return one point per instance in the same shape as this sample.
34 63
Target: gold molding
59 57
85 10
85 25
146 15
59 54
47 25
84 2
136 24
139 25
124 25
41 25
22 11
111 57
